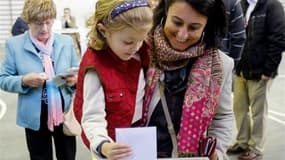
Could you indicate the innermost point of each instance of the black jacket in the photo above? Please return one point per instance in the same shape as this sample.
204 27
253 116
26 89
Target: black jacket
265 40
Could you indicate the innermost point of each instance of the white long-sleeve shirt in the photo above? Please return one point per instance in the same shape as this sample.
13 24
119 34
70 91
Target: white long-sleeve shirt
93 119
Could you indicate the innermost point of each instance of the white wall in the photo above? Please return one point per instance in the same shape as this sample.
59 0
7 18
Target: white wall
80 9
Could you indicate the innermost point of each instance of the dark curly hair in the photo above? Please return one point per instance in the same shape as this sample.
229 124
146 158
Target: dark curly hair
216 26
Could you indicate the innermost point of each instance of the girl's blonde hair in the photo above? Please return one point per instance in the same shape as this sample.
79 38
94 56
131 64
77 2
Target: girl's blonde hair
38 10
134 18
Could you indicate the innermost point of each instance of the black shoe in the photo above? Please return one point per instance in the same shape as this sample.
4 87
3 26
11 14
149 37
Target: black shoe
236 149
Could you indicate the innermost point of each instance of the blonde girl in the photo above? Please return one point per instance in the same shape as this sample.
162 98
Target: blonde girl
111 82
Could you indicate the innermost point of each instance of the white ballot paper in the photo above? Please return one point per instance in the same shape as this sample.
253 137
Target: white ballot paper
142 141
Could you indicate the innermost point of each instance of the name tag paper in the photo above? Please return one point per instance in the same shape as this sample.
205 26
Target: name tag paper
142 141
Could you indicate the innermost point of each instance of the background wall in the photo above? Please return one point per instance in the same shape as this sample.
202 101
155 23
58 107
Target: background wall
11 9
80 9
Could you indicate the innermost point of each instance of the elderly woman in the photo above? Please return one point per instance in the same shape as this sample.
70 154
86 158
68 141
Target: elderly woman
189 79
32 60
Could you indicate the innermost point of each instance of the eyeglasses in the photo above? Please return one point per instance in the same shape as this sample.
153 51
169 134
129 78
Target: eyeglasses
42 23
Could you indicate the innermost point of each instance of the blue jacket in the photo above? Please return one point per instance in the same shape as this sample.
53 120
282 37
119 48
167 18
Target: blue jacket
22 58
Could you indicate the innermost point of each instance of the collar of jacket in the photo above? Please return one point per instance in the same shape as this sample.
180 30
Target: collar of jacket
57 45
245 4
252 1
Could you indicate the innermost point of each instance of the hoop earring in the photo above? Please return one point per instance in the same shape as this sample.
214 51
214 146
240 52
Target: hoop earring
161 21
202 36
103 35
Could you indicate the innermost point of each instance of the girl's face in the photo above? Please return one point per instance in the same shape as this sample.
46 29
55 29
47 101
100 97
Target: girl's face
126 42
41 30
184 25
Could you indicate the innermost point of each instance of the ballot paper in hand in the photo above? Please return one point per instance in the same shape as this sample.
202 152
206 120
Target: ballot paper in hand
142 141
69 71
58 79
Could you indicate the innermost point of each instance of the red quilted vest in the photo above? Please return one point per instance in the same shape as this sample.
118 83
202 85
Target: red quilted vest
119 80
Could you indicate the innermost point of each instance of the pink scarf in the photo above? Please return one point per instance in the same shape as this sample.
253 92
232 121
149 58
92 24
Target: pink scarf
203 87
55 114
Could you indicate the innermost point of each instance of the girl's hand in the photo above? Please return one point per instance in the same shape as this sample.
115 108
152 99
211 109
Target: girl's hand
115 151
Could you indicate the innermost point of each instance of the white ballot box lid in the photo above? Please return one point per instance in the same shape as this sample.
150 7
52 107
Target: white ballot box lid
192 158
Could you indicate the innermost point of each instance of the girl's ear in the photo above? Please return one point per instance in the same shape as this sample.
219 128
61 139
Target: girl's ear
102 29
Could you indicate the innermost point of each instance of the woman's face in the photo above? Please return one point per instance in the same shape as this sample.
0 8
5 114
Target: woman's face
41 30
184 25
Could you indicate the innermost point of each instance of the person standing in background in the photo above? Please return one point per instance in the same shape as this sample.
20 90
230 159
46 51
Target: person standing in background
20 26
68 21
233 42
31 61
261 56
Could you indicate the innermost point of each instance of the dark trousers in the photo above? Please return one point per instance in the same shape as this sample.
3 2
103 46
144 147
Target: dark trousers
40 142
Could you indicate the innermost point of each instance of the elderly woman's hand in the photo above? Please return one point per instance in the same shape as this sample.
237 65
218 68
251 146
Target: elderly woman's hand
71 80
34 79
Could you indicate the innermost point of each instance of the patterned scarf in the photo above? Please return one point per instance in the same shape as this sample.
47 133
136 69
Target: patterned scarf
55 114
203 87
